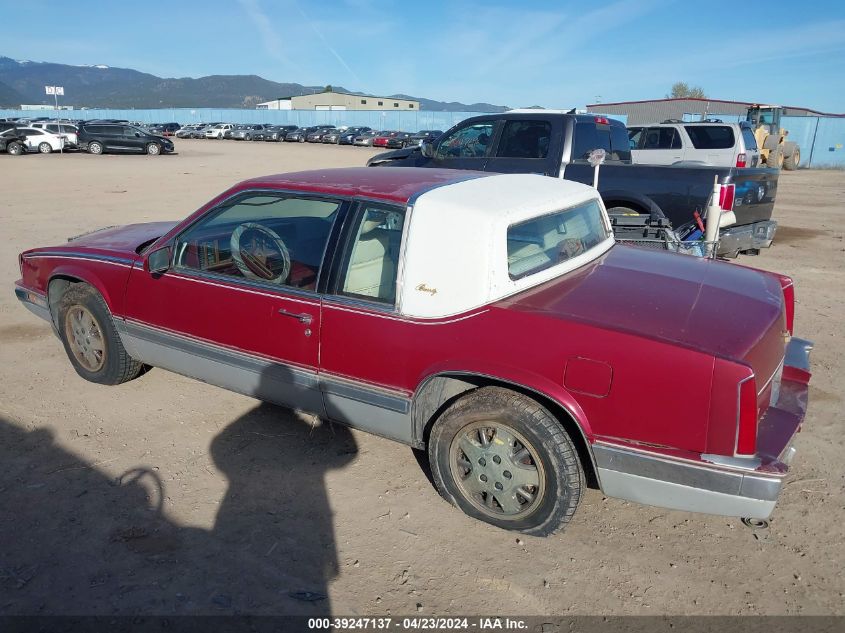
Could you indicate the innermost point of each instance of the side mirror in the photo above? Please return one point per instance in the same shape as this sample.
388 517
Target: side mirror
159 260
427 148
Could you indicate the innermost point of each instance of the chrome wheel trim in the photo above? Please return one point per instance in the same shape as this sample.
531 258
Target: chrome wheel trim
45 148
153 149
85 338
497 470
95 148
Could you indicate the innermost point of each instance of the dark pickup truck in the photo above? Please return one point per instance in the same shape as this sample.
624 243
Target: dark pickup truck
557 144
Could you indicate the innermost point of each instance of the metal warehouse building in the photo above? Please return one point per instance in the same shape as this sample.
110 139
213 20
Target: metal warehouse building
657 110
339 101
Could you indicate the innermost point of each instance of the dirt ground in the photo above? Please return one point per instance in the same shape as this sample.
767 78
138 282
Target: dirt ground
168 496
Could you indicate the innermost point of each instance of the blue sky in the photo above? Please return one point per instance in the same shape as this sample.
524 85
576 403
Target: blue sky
554 54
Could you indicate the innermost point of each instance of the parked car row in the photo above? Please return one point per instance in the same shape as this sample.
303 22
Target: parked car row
94 137
328 134
153 136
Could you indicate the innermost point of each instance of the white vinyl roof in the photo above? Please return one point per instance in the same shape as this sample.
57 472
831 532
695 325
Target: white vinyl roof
455 255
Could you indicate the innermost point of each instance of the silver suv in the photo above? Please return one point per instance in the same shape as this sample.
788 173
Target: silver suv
710 142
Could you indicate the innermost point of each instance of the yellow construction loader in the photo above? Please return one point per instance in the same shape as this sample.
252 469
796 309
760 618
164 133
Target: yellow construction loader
775 150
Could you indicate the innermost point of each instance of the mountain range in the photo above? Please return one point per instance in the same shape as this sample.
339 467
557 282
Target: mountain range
106 87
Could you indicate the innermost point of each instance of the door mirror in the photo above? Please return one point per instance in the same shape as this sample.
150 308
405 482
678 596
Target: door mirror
427 148
159 260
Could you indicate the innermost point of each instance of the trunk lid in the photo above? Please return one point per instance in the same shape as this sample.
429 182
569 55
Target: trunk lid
713 307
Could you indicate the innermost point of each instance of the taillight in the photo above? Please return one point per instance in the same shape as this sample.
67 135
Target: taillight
788 288
741 160
746 432
726 197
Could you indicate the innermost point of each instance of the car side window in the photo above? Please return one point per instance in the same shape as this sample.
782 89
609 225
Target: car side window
661 138
711 136
525 139
470 141
273 238
635 135
371 263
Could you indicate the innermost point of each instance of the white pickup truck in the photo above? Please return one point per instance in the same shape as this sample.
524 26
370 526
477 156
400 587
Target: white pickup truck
710 142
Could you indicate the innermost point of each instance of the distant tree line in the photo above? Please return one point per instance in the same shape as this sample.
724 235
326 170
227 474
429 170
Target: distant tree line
682 90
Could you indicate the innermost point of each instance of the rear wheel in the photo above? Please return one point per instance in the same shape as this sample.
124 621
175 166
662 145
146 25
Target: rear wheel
153 149
95 147
45 148
504 459
90 338
792 161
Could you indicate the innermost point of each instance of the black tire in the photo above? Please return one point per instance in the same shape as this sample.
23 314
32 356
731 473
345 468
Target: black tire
117 366
153 149
95 147
551 455
791 162
15 149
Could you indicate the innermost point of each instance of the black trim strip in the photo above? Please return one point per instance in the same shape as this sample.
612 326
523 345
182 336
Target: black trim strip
280 371
283 372
365 395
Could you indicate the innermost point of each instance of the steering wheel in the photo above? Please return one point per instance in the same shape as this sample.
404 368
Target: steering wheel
260 253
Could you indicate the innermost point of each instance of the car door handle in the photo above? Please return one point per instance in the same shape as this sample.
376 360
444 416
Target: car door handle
301 317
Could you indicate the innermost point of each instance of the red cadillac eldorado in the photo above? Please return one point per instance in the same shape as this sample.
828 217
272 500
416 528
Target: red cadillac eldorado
490 319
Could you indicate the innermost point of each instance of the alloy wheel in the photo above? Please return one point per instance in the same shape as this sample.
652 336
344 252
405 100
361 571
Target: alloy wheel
85 338
497 469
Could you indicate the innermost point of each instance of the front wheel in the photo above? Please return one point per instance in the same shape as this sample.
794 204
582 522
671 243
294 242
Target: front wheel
153 149
45 148
504 459
91 340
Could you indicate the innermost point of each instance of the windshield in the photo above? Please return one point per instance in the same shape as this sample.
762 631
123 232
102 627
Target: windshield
543 242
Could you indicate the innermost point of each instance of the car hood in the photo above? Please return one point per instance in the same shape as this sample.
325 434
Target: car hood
717 308
122 240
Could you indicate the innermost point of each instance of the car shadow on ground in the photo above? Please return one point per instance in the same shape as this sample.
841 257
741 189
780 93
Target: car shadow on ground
78 541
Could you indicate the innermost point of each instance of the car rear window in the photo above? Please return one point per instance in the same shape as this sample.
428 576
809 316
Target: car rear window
548 240
711 136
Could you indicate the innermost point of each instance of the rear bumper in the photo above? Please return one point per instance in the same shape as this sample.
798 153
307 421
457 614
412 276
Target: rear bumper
735 239
744 487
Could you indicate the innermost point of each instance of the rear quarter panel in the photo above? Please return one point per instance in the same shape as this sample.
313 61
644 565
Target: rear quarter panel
659 393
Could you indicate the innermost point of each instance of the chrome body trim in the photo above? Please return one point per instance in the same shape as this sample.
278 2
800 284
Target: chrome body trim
106 259
734 239
798 354
370 408
682 485
35 302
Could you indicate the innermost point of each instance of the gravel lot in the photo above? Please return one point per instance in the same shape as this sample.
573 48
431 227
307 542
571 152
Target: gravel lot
165 495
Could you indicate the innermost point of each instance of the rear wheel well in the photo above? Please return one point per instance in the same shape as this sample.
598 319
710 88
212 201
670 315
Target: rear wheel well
440 392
